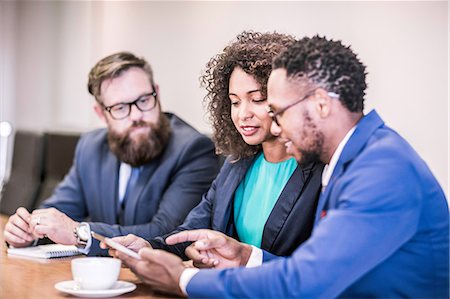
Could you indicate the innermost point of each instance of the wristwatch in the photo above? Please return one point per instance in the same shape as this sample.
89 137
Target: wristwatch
82 234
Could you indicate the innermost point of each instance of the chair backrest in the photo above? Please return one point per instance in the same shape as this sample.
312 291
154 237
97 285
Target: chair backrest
26 172
58 158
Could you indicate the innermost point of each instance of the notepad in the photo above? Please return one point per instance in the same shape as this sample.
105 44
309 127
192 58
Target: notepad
45 251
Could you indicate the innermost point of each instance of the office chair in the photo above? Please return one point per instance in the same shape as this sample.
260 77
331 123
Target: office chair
26 172
58 158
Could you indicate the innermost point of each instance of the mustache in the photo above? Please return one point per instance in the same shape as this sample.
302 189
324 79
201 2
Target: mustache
141 123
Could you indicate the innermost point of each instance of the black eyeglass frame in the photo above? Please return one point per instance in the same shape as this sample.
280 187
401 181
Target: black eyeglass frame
275 115
109 108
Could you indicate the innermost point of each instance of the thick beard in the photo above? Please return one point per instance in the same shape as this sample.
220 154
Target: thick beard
314 150
143 150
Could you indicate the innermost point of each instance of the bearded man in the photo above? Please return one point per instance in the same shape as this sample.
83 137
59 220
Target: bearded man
142 174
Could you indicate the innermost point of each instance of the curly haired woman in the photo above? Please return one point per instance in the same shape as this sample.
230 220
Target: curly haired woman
261 196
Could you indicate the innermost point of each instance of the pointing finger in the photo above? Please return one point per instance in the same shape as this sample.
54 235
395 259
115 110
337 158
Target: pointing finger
191 235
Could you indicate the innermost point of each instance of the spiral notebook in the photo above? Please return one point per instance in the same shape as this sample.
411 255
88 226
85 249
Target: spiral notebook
45 251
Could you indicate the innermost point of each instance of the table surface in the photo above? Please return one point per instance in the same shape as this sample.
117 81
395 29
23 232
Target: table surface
35 278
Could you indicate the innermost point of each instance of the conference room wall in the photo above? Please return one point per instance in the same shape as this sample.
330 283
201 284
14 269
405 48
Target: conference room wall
47 49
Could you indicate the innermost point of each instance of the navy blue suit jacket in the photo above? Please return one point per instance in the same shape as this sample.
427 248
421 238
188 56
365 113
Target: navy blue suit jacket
385 233
289 224
168 187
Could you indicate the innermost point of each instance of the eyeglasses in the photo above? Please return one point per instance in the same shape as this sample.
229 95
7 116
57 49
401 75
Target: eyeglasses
145 102
275 115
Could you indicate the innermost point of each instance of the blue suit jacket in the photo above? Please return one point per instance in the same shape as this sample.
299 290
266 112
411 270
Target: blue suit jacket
168 187
289 224
385 233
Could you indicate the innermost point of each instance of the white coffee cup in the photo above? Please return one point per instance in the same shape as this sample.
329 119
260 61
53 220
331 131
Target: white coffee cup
95 273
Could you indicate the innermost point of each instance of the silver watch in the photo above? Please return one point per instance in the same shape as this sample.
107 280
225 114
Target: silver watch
82 234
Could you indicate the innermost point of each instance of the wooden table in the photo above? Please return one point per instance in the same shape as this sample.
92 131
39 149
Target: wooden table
35 278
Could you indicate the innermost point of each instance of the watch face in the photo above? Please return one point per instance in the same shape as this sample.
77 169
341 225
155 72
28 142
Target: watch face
83 232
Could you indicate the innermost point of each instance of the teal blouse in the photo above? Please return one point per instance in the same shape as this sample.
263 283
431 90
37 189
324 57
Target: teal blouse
256 196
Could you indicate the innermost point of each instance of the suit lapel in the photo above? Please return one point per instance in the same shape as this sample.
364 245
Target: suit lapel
284 206
109 181
223 212
364 130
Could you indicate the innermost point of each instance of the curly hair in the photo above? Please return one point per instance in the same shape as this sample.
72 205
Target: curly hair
327 64
113 66
254 53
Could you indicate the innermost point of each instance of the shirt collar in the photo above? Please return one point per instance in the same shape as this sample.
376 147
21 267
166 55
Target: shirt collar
124 175
329 168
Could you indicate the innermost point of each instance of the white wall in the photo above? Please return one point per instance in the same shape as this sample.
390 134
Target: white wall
8 14
404 45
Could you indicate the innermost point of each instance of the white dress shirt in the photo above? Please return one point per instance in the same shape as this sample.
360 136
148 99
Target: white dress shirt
124 176
329 168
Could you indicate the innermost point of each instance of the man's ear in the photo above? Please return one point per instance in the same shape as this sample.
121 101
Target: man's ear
323 103
100 112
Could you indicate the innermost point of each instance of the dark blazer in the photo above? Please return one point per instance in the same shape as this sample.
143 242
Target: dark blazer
168 187
382 231
289 224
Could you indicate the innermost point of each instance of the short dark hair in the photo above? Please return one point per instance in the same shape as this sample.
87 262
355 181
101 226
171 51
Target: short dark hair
253 52
327 64
113 66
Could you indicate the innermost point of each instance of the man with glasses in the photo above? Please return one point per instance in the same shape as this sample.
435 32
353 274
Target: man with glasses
142 174
382 222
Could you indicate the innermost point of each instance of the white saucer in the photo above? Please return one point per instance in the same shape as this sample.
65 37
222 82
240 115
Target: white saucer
119 288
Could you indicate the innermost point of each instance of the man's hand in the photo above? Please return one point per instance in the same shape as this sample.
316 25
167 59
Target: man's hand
212 249
130 241
55 225
160 269
18 231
